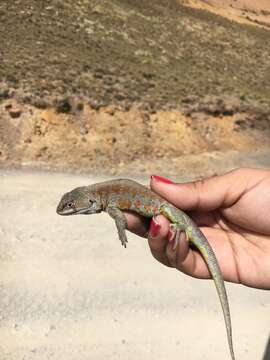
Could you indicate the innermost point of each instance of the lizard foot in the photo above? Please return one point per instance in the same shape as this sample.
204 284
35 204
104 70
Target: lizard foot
177 234
123 240
124 243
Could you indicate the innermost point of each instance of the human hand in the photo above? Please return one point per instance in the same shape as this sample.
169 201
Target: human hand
233 212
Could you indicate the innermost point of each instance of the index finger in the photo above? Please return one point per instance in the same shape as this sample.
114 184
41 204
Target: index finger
203 195
137 224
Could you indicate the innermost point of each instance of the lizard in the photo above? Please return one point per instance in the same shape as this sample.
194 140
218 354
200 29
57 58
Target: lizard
116 196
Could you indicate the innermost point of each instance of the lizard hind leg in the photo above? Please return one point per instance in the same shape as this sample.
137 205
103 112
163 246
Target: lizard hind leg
178 224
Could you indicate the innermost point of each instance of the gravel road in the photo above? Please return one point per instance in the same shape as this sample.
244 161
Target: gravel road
69 291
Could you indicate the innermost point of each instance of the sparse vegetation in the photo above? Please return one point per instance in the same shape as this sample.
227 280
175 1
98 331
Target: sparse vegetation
187 82
125 51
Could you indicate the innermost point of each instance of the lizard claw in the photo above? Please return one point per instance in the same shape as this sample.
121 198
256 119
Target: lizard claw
124 243
176 234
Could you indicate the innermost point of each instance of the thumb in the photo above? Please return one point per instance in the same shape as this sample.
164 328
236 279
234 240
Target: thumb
202 195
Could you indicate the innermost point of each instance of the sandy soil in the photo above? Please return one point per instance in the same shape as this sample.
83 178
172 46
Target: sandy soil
243 11
69 291
114 141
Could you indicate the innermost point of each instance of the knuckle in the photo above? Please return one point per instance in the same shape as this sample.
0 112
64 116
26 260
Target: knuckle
198 188
155 245
161 257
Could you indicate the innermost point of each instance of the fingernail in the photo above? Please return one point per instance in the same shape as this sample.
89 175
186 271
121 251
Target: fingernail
154 228
161 179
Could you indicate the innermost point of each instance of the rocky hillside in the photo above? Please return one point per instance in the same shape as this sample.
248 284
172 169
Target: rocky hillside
157 72
127 51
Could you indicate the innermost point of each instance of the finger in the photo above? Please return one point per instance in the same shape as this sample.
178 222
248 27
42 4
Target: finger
190 261
137 224
178 246
157 240
185 259
202 195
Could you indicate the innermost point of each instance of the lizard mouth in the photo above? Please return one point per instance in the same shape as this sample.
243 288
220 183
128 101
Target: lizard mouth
88 211
83 211
65 211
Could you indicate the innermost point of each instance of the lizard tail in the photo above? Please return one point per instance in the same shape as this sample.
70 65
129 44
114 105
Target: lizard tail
200 241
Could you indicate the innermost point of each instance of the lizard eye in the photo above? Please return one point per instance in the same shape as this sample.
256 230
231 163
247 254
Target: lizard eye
69 205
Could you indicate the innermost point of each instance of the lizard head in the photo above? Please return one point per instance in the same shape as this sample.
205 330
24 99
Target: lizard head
79 201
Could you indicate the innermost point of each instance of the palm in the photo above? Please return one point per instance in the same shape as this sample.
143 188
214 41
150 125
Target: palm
242 253
240 234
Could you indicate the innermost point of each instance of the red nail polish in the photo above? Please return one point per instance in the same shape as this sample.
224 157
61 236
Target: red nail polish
161 179
154 228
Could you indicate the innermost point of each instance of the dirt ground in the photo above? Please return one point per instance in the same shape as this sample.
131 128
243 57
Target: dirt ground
114 141
244 11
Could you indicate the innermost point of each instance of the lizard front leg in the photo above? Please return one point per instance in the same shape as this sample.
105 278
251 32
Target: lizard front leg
120 222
